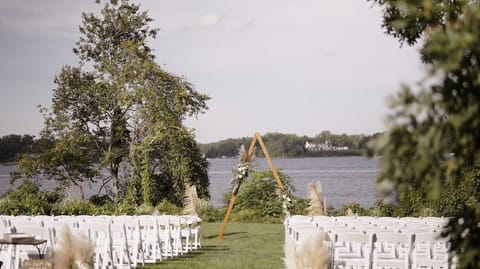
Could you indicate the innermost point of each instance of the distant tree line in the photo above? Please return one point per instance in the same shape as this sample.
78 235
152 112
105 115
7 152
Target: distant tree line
13 146
279 145
291 145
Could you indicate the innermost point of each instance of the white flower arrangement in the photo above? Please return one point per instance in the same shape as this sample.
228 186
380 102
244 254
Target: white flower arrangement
240 174
241 171
286 203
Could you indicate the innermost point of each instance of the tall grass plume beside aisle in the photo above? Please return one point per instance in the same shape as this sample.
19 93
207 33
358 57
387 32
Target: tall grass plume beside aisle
316 199
73 251
309 252
191 201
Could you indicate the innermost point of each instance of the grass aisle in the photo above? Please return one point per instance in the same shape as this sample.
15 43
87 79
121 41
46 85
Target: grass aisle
243 246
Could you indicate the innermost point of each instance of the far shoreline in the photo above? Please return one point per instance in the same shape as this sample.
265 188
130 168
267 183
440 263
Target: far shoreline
330 154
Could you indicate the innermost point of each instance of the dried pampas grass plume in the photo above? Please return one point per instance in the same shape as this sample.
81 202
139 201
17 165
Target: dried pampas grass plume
72 251
312 253
191 201
350 213
290 255
316 200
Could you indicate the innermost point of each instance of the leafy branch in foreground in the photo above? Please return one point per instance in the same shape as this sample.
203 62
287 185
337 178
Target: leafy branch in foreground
434 133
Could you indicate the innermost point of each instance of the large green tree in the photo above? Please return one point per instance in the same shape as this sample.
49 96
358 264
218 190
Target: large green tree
434 134
119 111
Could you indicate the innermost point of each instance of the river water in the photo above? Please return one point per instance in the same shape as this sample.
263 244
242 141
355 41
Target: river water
344 179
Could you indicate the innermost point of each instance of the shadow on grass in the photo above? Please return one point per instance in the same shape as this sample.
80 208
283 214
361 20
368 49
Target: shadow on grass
225 234
259 236
196 253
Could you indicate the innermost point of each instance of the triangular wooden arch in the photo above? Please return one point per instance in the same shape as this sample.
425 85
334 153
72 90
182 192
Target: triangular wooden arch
256 138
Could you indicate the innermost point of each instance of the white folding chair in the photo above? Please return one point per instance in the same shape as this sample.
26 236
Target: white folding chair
293 220
179 233
296 226
6 251
134 239
195 227
119 246
155 243
430 250
352 250
99 234
392 250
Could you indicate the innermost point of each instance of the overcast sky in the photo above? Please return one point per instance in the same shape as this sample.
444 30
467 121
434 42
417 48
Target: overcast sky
291 66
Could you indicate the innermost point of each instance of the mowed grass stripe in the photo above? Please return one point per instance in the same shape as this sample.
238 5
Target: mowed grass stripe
243 246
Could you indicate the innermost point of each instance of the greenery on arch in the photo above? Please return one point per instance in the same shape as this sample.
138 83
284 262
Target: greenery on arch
260 200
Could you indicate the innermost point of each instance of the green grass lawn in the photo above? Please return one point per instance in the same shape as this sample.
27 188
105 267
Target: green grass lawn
243 246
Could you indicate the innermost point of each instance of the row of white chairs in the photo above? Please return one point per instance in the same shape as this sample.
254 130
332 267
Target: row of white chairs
369 242
119 241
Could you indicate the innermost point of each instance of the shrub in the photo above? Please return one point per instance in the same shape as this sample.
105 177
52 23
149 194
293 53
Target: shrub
208 213
167 208
253 215
73 206
356 209
259 199
100 200
144 209
382 209
107 209
299 206
27 199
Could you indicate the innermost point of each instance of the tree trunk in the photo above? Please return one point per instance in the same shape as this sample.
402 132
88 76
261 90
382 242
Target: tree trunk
115 183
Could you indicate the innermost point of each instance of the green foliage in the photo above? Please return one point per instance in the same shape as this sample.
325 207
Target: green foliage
455 193
464 233
381 209
13 146
259 199
254 216
409 20
284 145
100 200
289 145
183 164
125 208
299 206
144 209
168 208
434 134
356 209
27 199
208 213
225 148
118 110
108 208
68 161
73 206
259 195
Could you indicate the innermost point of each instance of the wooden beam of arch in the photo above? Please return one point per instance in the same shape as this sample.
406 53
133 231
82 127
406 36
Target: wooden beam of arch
256 138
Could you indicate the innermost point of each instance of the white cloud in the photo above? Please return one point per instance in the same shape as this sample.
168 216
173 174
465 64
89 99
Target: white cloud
208 20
